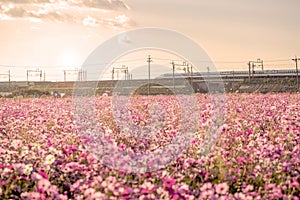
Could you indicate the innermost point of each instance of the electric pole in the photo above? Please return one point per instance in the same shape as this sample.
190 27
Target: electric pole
297 75
36 72
122 69
260 63
79 73
41 75
185 64
192 76
149 60
253 72
173 67
253 64
249 65
8 75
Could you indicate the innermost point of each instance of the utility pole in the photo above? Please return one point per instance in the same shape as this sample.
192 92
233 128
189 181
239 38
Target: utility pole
79 73
149 60
249 65
192 76
82 75
41 75
36 72
260 63
173 67
296 61
253 64
257 63
253 72
185 64
122 69
125 72
8 75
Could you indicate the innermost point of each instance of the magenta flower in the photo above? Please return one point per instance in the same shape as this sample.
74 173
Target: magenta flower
43 174
168 182
239 110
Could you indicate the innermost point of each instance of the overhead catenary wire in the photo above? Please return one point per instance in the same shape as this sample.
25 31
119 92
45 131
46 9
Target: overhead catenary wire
134 60
74 66
269 64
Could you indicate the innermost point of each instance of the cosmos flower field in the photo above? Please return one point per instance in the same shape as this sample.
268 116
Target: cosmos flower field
256 156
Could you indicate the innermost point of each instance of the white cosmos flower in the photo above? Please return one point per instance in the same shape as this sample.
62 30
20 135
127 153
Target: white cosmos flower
49 159
27 169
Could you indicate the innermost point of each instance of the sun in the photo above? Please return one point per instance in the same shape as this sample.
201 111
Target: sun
70 60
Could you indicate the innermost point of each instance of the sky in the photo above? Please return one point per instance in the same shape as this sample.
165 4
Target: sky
57 35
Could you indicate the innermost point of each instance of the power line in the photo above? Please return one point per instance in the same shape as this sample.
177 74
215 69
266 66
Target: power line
138 59
75 65
269 64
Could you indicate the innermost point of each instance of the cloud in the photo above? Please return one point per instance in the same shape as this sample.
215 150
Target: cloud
108 13
100 4
16 12
25 1
104 4
118 22
90 21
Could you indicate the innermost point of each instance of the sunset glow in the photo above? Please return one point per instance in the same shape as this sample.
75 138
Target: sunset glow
232 32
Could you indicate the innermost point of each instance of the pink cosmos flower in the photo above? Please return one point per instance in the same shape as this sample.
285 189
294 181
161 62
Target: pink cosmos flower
88 193
206 186
32 195
239 110
169 182
44 184
222 188
43 174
